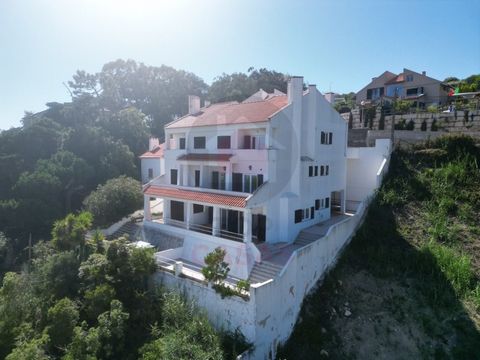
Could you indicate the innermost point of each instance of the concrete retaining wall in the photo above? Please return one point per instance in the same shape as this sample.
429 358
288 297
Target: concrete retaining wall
467 122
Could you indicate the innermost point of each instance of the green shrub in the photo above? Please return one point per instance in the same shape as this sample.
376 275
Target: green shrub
423 127
114 200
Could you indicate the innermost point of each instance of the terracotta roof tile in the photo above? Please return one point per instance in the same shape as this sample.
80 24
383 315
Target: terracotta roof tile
238 201
397 79
232 113
155 153
205 157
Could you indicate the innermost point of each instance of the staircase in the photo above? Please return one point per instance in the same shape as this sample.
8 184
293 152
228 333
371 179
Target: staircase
130 230
264 271
305 238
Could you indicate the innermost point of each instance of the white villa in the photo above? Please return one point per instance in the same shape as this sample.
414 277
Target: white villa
270 180
246 176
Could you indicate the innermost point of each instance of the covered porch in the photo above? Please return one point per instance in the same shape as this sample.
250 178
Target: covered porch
216 213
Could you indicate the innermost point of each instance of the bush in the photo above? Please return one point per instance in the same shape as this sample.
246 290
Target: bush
410 125
114 200
423 127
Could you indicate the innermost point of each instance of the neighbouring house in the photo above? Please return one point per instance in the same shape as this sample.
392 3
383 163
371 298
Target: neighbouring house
418 88
242 175
153 161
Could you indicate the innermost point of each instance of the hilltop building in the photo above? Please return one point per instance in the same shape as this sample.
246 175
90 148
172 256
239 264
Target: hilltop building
418 88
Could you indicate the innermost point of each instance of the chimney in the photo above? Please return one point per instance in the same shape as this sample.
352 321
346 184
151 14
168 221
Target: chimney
153 143
295 89
295 99
312 88
424 73
193 104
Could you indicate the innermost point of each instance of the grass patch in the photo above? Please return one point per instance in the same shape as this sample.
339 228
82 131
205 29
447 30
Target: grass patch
418 252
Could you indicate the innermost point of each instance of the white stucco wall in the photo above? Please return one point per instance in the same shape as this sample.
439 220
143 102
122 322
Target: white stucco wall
363 165
268 317
156 164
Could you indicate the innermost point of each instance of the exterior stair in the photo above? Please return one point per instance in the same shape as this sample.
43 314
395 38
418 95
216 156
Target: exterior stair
129 229
264 271
305 238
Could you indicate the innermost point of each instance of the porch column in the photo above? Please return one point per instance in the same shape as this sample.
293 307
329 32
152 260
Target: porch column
146 208
202 176
216 221
188 216
166 210
184 175
247 225
228 177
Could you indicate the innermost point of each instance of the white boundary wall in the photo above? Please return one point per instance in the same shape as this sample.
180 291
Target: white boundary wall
268 317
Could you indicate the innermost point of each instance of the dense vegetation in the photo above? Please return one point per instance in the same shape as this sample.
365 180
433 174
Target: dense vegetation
410 278
78 299
58 157
115 199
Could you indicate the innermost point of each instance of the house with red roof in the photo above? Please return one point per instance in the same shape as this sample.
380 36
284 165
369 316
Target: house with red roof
153 161
420 89
247 176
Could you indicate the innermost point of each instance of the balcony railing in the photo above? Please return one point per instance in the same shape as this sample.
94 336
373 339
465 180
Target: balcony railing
203 229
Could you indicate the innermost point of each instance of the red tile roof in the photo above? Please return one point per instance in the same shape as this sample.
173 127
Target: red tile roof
238 201
232 113
397 79
155 153
205 157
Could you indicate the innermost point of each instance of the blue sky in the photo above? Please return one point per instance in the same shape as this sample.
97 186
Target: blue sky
338 45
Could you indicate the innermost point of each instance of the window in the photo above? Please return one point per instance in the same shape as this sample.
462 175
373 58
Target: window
327 202
223 142
197 178
218 180
312 213
197 208
409 78
316 170
310 171
322 203
254 142
150 173
298 216
182 143
237 182
327 169
173 176
326 138
322 170
412 91
247 142
317 204
307 213
252 182
199 142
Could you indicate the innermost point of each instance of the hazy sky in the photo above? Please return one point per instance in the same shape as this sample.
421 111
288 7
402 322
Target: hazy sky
336 44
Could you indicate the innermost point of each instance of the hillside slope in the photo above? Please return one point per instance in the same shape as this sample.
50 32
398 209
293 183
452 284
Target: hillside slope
407 286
